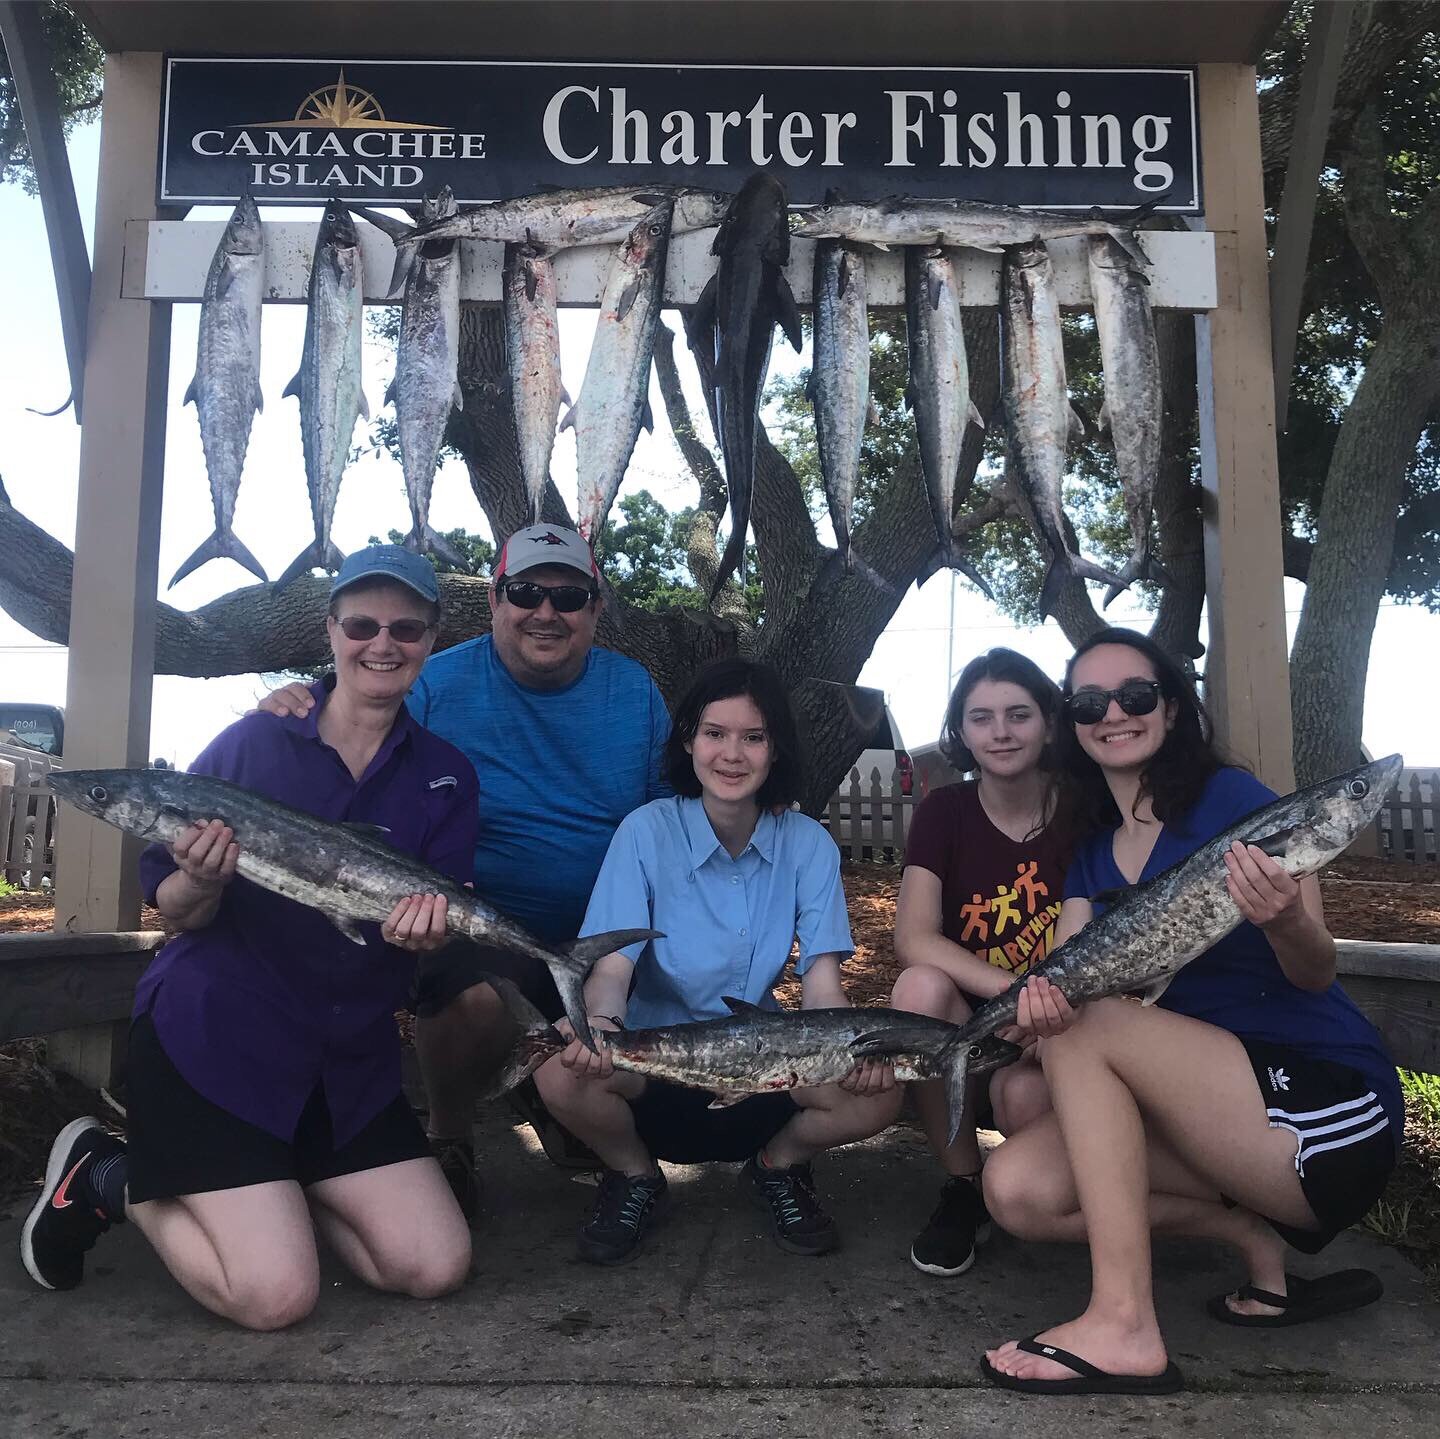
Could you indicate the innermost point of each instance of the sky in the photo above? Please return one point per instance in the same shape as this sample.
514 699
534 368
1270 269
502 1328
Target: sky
932 635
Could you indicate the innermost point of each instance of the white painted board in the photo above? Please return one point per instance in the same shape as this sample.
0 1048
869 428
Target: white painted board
178 252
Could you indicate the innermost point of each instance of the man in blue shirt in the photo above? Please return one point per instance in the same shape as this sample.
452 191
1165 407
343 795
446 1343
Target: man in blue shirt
567 739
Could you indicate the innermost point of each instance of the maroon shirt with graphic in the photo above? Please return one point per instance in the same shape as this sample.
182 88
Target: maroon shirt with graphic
999 898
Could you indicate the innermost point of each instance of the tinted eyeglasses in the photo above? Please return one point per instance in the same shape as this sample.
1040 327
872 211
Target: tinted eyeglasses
527 595
361 627
1135 697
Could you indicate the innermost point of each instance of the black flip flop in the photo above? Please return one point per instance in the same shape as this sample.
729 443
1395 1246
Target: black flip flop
1088 1379
1307 1299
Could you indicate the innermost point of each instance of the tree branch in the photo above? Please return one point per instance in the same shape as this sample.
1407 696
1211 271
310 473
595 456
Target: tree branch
1378 239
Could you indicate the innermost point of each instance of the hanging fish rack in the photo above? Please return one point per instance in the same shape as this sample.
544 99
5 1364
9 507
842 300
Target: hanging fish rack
168 260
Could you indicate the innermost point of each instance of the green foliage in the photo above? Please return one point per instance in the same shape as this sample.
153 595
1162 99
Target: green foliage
77 62
6 888
478 552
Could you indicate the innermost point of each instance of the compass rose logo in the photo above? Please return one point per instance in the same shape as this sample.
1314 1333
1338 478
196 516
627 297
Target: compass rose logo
342 107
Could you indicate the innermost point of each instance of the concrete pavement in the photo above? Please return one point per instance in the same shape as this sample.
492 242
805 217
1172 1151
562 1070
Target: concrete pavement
712 1331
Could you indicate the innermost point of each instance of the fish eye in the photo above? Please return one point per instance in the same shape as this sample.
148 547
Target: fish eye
1358 788
656 229
99 793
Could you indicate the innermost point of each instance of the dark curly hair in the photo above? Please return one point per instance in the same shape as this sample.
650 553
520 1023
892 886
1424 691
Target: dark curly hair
1175 777
1006 667
724 680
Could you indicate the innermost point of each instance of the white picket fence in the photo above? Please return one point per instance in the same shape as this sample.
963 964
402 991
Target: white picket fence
27 817
869 819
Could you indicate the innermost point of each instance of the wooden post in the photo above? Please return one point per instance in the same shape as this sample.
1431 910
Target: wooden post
117 538
1247 677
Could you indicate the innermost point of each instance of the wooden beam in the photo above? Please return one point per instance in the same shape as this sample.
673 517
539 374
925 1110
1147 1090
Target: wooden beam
1398 987
55 982
1325 48
117 527
1247 680
28 54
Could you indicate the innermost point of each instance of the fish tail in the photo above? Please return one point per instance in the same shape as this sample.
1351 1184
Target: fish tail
729 561
422 540
1060 570
955 1069
406 249
221 544
520 1061
1133 569
311 557
570 965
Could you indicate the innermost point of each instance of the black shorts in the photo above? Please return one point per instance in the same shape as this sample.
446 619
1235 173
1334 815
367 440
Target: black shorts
1346 1143
181 1143
677 1123
447 973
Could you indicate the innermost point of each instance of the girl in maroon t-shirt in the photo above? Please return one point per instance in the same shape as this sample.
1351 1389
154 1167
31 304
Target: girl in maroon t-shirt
979 897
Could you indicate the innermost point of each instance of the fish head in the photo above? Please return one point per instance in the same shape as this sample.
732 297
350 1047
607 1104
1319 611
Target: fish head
244 234
337 228
645 245
1326 818
143 802
700 209
852 219
439 206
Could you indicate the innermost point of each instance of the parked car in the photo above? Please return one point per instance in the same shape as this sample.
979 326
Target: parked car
39 727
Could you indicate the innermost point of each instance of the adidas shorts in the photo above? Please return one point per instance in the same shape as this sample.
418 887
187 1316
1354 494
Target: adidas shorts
1346 1144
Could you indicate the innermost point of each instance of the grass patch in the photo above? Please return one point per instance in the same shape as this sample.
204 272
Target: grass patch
1409 1215
6 888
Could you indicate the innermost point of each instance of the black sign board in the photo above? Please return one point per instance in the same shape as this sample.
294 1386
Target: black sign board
390 131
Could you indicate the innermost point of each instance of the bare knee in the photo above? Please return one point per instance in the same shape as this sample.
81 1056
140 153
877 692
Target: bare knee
1019 1095
1025 1198
562 1092
923 989
432 1274
275 1301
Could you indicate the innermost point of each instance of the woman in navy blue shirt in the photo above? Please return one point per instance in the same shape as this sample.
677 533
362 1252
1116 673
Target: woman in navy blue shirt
1253 1104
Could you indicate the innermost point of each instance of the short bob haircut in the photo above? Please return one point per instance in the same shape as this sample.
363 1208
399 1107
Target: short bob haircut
723 680
1174 779
1006 667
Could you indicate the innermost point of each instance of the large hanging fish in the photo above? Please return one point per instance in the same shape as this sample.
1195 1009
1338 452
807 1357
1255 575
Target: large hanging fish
614 397
226 387
737 312
532 356
328 382
426 385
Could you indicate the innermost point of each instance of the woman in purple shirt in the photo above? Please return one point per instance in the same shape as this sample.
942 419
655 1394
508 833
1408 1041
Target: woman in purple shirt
264 1075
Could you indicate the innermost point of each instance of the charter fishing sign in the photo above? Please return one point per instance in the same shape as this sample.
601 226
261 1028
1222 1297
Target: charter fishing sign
390 131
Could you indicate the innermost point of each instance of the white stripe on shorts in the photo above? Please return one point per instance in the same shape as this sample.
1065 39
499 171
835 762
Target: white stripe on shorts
1352 1115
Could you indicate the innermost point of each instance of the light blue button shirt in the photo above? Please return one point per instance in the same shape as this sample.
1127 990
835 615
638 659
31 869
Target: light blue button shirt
729 923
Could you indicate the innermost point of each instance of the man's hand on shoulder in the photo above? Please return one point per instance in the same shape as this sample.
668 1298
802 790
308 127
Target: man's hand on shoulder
293 700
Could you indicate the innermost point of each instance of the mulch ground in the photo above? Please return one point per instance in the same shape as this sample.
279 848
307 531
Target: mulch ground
1364 899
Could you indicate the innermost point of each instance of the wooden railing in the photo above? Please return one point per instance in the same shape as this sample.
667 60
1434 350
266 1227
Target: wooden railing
27 817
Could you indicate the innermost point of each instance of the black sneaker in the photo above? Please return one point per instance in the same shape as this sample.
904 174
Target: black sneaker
623 1210
64 1222
947 1243
801 1224
561 1147
457 1164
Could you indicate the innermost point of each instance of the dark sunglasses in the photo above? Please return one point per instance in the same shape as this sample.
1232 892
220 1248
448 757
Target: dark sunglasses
1135 697
527 595
362 627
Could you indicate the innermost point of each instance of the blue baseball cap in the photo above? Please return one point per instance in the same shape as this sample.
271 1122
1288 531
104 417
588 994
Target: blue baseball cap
389 562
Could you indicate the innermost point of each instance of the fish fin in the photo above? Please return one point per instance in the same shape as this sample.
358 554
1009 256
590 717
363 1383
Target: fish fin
308 559
724 1100
222 285
649 201
702 317
628 295
1152 992
364 405
1058 571
1074 425
217 546
565 396
1089 570
258 398
333 558
955 1067
519 1062
293 388
976 418
872 412
405 252
789 311
532 283
596 946
730 560
368 831
948 556
570 964
843 281
934 288
647 416
432 542
1103 422
1110 896
1130 571
389 394
457 397
569 421
347 926
909 397
190 393
1276 844
386 224
881 245
739 1006
521 1010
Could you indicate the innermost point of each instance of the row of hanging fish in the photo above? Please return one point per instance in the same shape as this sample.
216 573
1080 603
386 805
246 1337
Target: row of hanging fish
733 322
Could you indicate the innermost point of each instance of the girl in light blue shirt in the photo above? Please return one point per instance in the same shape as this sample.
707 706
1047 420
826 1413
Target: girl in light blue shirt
733 877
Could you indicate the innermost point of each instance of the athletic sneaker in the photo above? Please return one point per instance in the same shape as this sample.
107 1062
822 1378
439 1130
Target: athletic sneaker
947 1243
66 1220
457 1164
801 1223
623 1210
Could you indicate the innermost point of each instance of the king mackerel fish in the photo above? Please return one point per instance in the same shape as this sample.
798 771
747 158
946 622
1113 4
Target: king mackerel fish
1155 929
347 872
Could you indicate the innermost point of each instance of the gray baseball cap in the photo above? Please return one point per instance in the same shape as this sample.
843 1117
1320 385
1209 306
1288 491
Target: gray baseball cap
538 545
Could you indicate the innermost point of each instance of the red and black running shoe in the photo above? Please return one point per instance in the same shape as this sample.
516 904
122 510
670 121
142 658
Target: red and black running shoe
66 1221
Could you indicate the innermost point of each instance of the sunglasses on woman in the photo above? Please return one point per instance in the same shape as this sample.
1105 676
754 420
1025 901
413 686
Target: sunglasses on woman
527 595
362 627
1091 704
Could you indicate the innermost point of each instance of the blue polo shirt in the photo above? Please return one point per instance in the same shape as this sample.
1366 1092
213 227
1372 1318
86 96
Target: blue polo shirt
729 923
270 999
1238 984
559 770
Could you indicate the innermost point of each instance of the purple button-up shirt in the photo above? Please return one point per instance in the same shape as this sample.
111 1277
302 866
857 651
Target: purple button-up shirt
270 999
